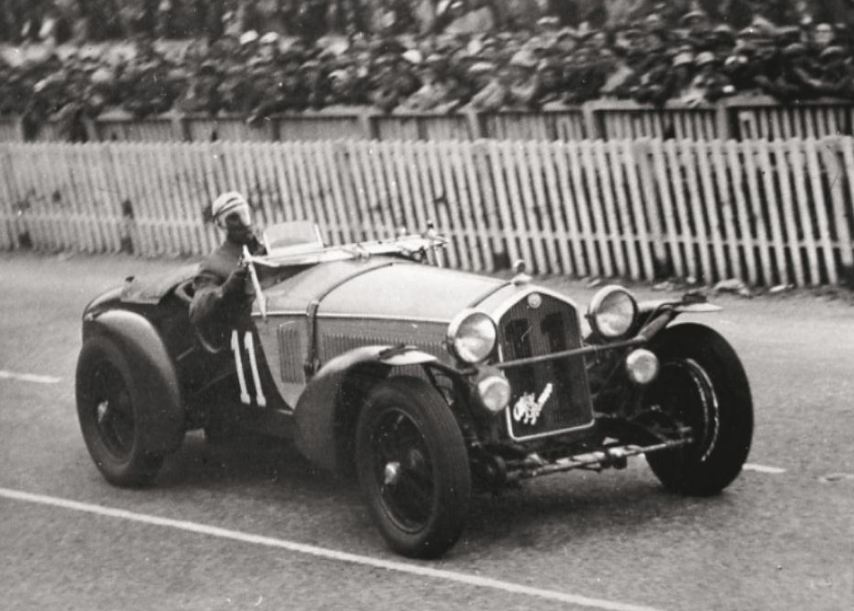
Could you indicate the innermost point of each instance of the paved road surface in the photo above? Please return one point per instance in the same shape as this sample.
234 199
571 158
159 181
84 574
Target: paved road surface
779 538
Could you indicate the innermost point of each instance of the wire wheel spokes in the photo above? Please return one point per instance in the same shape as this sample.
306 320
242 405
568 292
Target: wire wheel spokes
113 410
404 470
691 401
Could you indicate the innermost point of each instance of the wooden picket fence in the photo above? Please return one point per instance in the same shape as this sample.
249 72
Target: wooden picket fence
768 212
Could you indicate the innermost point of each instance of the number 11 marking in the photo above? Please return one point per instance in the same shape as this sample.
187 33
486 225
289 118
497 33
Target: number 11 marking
249 345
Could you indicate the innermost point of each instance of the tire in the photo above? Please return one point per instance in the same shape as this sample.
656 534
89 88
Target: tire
413 467
701 384
109 415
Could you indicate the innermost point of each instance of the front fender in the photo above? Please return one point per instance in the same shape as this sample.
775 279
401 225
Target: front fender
655 315
155 382
316 413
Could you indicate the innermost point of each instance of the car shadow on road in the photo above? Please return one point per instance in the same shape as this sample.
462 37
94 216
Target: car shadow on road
548 513
540 513
248 459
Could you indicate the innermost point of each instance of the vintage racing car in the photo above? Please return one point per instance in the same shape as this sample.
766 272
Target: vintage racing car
424 382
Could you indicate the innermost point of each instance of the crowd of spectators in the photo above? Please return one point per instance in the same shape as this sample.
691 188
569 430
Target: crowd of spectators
667 51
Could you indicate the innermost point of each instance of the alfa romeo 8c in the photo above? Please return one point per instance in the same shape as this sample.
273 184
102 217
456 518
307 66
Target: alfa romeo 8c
425 383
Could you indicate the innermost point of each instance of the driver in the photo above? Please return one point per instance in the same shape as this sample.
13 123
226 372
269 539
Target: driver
222 298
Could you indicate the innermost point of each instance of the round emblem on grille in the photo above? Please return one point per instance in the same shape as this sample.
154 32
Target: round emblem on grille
534 301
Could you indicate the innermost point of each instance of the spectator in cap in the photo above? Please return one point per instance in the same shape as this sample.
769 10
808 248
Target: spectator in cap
549 83
479 74
524 84
738 69
316 83
794 81
710 83
495 93
434 93
836 74
657 82
201 94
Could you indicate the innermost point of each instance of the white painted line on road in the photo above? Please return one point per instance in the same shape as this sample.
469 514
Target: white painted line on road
28 377
322 552
763 469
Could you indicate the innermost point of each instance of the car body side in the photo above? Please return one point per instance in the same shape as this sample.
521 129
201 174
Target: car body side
324 323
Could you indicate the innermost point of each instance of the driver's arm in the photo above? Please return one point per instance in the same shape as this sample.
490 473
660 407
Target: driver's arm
213 296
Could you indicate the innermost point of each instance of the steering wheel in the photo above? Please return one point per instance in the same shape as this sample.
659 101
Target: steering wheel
185 291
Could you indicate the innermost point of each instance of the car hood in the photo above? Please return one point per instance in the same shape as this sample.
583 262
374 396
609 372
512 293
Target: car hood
381 288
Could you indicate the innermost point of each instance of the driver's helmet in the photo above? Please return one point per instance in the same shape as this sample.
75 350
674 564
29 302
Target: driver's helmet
230 203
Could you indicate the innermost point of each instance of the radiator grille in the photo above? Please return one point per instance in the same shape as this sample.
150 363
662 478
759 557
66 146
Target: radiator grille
560 385
335 344
291 352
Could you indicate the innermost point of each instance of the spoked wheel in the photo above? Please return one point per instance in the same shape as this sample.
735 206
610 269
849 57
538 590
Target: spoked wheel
413 467
113 411
402 466
109 418
702 388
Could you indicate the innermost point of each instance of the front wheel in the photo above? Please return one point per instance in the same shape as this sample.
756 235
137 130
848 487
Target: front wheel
702 387
109 415
413 467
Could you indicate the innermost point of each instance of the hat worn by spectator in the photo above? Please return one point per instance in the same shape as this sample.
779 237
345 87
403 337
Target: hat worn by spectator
385 59
548 64
736 60
796 49
683 59
705 58
523 59
248 37
548 22
832 51
102 76
413 56
693 17
481 68
654 22
270 38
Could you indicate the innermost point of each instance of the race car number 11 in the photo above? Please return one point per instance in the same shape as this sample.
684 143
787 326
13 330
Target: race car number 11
237 347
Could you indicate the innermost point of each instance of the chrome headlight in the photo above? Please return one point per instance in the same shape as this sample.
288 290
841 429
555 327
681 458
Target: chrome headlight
612 312
494 391
471 336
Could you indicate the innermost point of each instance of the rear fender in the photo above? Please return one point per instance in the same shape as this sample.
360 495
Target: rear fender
155 385
317 412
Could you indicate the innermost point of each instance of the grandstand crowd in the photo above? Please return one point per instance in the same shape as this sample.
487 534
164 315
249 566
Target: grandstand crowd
67 59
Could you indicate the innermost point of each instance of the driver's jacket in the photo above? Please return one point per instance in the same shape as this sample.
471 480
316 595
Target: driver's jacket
212 311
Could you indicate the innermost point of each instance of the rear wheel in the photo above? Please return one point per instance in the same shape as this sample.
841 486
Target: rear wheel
109 416
413 467
702 387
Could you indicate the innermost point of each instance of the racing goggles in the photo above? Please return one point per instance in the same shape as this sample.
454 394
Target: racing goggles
239 212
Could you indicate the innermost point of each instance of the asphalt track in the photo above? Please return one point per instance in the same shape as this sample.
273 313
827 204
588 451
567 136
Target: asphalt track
256 527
